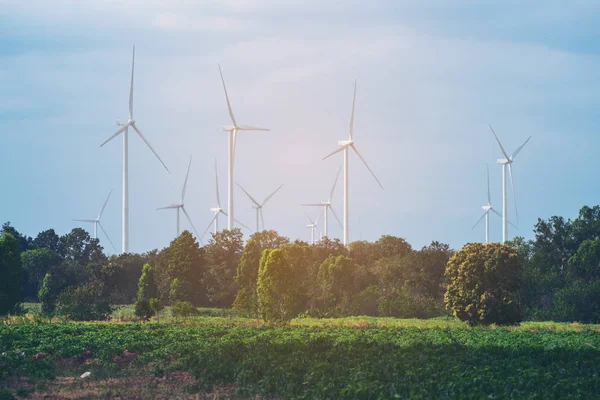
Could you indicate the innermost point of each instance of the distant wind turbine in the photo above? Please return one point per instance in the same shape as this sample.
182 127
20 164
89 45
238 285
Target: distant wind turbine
259 206
327 206
487 208
232 131
504 162
97 223
344 145
218 210
312 226
181 205
124 130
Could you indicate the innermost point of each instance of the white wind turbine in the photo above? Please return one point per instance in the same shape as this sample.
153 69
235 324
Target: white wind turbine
507 161
487 208
124 130
259 206
344 146
327 206
97 223
181 206
218 210
312 226
232 134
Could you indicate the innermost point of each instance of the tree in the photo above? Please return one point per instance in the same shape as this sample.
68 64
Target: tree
223 254
279 289
336 280
392 246
585 263
157 306
24 243
483 284
186 263
10 273
47 295
85 302
247 270
36 264
146 291
178 291
48 239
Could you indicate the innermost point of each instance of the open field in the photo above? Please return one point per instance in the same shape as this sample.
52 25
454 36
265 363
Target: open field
358 357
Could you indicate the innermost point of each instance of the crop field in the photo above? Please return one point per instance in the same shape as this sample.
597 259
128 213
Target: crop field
224 357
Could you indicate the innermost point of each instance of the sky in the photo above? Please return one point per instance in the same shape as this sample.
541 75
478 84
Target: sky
431 76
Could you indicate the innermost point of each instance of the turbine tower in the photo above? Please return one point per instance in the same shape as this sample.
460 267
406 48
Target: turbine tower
218 210
344 146
97 223
326 205
487 208
259 206
124 128
181 206
504 162
232 135
312 226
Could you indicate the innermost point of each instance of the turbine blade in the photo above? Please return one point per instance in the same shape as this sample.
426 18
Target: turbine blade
336 151
150 147
248 194
186 179
512 183
217 184
131 87
169 207
309 218
352 115
335 183
271 195
242 225
262 218
366 165
190 221
209 225
488 184
85 220
496 212
116 133
479 220
520 148
104 206
227 98
106 234
336 217
252 128
499 144
312 205
513 225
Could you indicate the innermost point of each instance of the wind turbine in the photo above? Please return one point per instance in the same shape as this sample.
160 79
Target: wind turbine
259 206
344 146
487 208
124 128
232 134
312 226
507 161
218 210
327 205
97 223
181 206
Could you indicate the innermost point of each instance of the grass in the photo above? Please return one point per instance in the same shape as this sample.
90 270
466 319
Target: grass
354 357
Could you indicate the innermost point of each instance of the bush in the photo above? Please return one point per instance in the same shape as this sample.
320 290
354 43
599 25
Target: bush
484 280
156 305
366 302
184 309
146 291
579 302
403 304
83 303
47 295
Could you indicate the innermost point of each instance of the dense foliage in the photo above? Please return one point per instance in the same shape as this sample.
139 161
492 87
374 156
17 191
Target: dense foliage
10 273
146 292
318 363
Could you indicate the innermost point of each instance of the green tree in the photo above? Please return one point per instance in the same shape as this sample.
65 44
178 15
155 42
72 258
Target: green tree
24 242
336 281
10 273
483 284
47 295
178 291
48 239
157 306
186 263
85 302
146 291
37 263
223 254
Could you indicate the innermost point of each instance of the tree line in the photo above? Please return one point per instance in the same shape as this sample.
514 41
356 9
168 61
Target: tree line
554 276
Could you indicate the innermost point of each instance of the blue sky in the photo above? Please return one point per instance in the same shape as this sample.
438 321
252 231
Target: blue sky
431 76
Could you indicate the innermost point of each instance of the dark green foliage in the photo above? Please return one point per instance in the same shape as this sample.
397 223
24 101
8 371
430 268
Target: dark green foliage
146 291
37 263
330 363
578 302
483 284
186 263
178 291
24 242
156 305
223 254
336 280
11 273
47 295
86 302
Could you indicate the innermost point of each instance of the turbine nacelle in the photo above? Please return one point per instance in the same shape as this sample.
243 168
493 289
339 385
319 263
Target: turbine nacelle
228 128
216 210
486 208
123 122
503 161
345 142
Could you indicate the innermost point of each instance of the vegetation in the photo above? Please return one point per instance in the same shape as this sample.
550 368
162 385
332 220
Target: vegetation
146 293
10 273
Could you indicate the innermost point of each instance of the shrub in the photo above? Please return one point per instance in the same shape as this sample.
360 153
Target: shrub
366 302
47 295
484 280
401 303
184 309
146 291
156 305
579 302
83 303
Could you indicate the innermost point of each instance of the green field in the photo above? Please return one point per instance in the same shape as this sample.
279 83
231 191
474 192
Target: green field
358 357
